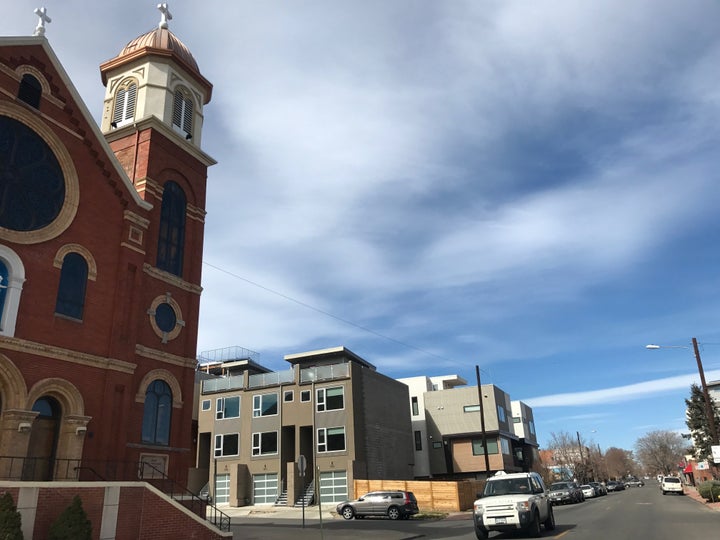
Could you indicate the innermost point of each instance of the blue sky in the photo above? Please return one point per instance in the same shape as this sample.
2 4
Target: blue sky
528 186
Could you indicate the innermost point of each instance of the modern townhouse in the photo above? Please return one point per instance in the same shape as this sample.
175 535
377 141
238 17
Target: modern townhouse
449 438
331 413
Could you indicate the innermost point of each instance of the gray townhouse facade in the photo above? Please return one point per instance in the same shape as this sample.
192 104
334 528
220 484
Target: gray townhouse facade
331 407
448 434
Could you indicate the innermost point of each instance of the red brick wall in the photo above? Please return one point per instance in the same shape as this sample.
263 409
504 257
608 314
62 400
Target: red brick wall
142 513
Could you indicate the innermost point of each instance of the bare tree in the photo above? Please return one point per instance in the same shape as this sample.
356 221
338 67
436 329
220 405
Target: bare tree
620 463
660 451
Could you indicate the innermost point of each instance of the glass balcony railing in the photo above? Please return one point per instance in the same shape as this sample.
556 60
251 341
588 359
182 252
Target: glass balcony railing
274 378
222 384
325 373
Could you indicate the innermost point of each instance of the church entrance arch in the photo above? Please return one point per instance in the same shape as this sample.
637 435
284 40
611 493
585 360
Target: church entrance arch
42 450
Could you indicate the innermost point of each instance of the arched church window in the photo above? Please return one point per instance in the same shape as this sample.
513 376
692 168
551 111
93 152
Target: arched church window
30 91
4 280
171 243
125 100
73 283
183 113
157 413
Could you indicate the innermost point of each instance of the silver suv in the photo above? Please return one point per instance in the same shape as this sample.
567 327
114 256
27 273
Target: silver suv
393 504
513 502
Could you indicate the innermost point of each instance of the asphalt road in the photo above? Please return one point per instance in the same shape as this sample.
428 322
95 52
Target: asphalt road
634 514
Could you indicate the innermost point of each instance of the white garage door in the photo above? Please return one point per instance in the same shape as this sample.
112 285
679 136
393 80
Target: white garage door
333 487
222 489
265 488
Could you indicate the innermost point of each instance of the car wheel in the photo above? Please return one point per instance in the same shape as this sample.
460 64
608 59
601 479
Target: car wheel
393 512
348 512
534 528
550 521
664 492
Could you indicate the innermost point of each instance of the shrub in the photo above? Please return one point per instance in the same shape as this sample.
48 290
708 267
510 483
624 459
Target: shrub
710 490
72 524
10 523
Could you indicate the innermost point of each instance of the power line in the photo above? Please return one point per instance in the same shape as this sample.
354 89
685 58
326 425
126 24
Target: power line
326 313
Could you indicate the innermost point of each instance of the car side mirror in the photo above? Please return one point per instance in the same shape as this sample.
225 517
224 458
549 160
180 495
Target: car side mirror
478 495
361 499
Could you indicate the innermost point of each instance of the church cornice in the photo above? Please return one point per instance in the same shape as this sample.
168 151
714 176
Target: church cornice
66 355
171 279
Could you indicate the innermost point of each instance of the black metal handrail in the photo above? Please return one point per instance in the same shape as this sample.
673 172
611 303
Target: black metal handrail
44 469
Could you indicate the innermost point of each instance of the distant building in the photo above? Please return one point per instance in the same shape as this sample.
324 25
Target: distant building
331 410
448 433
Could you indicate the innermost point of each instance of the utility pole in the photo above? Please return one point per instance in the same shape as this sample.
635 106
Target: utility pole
709 412
482 423
582 458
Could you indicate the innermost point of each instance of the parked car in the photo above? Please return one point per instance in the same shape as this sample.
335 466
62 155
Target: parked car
672 484
588 491
634 482
615 486
565 492
513 502
599 488
393 504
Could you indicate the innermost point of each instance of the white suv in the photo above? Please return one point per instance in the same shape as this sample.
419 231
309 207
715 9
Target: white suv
513 502
671 484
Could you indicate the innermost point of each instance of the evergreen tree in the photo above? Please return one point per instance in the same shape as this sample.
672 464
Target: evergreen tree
697 422
72 524
10 523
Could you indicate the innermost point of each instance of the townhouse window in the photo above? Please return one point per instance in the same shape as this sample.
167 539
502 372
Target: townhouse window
265 405
516 419
418 440
305 396
471 408
437 444
171 241
501 413
288 396
71 290
477 447
505 446
206 405
157 413
531 427
330 399
415 408
227 444
265 443
331 439
227 407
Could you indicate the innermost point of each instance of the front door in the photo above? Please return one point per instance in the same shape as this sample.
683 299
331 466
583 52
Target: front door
40 462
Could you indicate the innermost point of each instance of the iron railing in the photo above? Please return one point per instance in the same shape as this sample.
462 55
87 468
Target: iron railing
44 469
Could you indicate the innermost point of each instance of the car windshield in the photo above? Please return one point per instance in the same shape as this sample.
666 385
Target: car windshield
557 486
507 486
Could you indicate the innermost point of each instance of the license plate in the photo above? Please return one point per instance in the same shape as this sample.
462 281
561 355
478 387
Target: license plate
500 521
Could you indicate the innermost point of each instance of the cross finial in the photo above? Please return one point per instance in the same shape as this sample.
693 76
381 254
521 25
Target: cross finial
165 15
43 18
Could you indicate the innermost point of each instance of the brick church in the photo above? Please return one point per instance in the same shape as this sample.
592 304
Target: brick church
101 241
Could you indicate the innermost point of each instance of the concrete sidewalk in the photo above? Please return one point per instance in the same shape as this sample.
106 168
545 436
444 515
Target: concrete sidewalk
692 492
282 512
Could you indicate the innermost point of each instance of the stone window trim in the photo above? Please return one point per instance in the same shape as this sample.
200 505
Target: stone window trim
127 109
163 375
72 189
179 324
83 252
16 279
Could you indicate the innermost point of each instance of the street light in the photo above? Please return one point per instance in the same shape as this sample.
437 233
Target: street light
706 395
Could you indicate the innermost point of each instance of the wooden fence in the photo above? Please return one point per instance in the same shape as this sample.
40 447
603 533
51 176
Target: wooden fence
432 495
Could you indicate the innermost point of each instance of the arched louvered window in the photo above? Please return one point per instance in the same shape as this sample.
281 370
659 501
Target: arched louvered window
73 283
157 413
30 91
183 112
171 243
125 99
